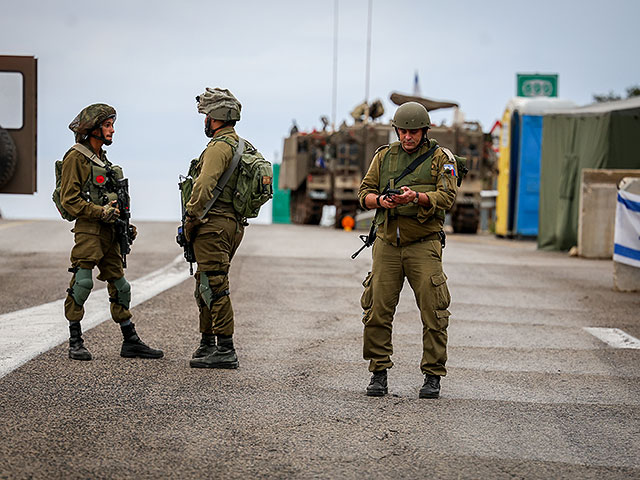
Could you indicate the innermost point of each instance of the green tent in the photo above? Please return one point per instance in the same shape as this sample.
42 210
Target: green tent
604 136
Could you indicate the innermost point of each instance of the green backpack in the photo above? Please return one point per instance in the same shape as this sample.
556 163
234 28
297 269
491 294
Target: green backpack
253 188
461 163
56 194
255 183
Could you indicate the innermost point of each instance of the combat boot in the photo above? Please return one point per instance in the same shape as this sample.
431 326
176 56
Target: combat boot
430 387
77 350
133 347
378 385
207 346
223 357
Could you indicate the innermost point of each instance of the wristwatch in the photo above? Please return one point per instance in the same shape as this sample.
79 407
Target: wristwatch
417 199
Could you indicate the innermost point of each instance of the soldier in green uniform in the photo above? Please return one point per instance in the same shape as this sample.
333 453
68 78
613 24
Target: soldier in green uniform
85 193
408 245
218 234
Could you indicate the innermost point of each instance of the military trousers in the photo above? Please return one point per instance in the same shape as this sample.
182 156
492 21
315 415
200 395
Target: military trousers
95 244
215 245
421 264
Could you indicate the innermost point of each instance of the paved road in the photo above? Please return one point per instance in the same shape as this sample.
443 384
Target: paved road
530 393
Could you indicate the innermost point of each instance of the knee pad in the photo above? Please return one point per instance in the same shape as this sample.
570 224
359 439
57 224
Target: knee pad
205 292
123 293
82 285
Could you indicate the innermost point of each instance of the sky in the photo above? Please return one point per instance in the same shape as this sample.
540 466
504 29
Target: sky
150 59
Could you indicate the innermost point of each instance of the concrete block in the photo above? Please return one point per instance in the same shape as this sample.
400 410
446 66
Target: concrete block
597 220
626 278
597 210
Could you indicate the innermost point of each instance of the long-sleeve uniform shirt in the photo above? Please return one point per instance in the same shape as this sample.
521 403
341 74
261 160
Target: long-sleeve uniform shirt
76 172
214 161
436 177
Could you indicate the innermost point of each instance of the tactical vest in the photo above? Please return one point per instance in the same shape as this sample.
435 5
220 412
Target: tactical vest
100 188
422 179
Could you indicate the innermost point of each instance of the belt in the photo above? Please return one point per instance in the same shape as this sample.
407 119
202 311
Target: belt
431 236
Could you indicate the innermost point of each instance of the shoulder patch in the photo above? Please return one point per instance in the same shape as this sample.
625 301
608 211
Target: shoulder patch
450 164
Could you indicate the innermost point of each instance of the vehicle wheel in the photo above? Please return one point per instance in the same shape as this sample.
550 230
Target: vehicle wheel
8 157
344 209
304 211
465 220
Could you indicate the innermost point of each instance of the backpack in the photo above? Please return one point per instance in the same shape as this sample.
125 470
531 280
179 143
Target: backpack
56 194
254 186
255 183
461 164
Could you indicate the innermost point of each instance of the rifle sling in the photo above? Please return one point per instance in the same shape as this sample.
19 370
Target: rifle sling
413 165
225 178
89 154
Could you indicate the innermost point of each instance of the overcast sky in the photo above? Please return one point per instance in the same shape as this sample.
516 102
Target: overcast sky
150 59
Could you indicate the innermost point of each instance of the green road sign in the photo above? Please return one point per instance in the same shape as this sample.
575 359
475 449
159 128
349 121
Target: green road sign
537 85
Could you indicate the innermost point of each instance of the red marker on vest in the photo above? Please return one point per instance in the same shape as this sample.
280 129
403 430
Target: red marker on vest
100 179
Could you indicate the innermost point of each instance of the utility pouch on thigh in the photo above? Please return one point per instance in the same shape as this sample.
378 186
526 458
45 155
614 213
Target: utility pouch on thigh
206 294
441 295
366 300
442 318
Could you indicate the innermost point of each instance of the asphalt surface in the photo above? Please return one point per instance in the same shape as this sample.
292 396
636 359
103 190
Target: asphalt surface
530 393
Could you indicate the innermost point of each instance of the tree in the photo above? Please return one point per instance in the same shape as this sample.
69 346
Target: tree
609 97
633 91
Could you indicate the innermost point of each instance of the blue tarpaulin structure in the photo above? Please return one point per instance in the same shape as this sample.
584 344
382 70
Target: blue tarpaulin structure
519 176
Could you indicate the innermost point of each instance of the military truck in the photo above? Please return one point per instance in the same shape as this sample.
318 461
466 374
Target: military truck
326 167
465 139
468 140
18 116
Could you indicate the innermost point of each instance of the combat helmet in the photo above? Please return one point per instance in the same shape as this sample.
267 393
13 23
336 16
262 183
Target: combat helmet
219 104
90 118
411 116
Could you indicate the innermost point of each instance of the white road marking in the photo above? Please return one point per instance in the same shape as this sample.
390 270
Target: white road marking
27 333
15 224
614 337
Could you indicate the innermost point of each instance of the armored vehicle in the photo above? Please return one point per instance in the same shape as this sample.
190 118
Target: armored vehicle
18 90
468 140
326 167
465 139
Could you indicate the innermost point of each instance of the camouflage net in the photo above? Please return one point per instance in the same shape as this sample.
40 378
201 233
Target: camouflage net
91 117
219 104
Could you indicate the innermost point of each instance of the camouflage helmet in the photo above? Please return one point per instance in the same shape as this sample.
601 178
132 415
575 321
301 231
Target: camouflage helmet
219 104
90 118
411 116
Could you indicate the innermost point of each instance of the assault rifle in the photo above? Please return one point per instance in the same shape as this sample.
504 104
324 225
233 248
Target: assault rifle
181 239
124 230
369 239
